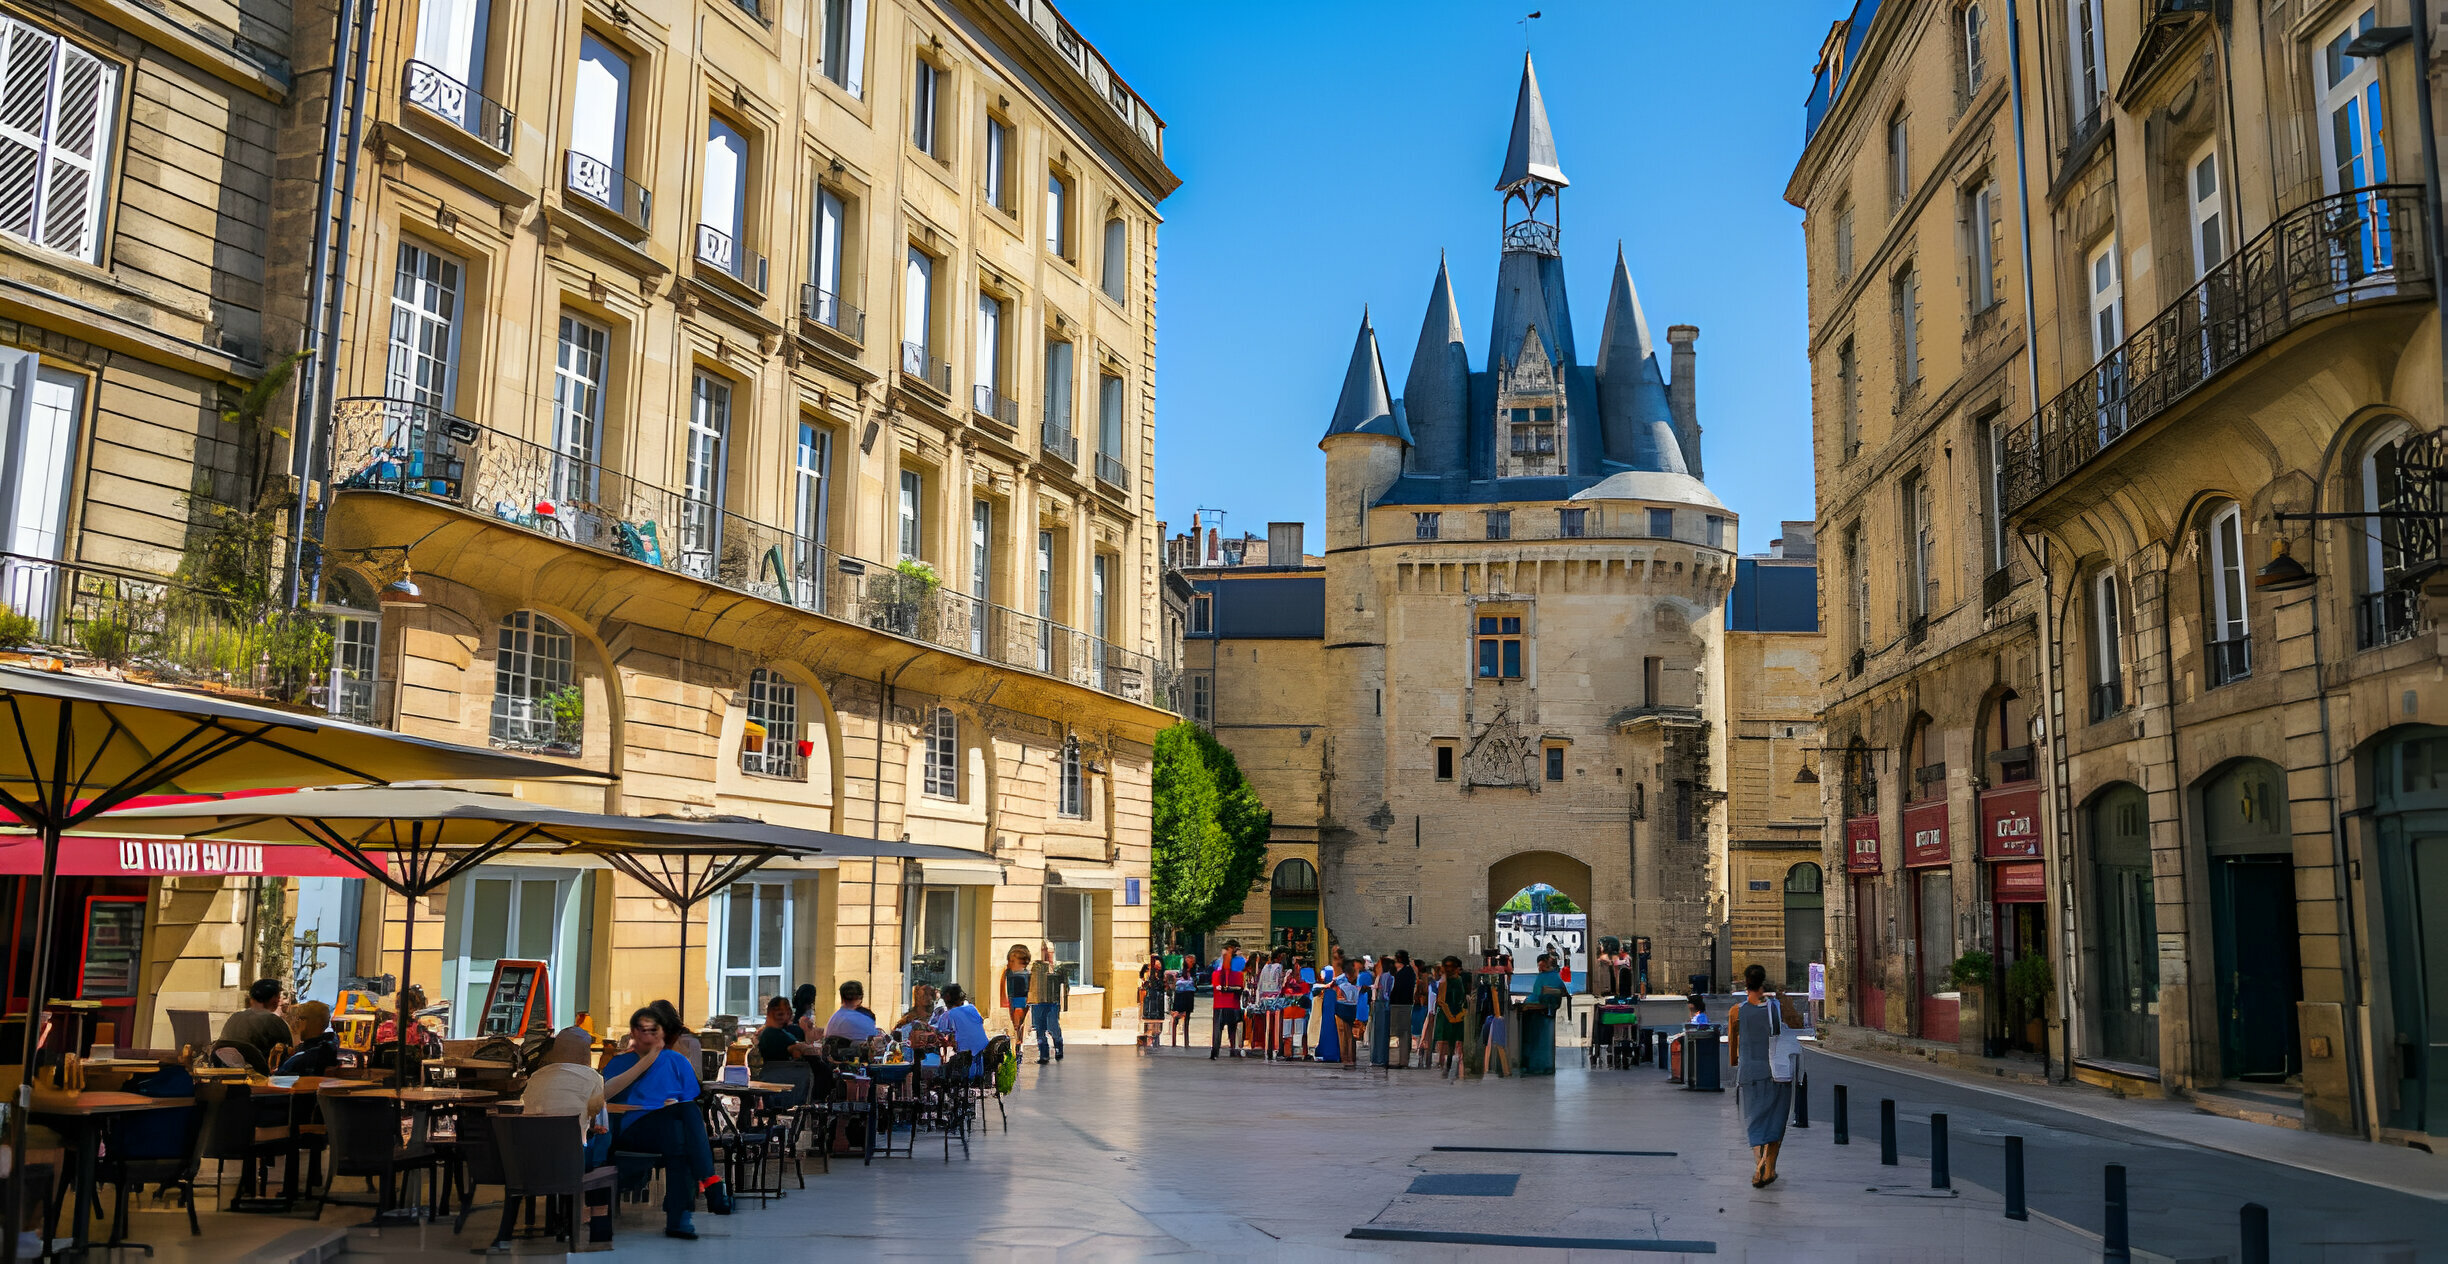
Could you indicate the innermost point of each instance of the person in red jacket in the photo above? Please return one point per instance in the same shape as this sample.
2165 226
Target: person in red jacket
1228 981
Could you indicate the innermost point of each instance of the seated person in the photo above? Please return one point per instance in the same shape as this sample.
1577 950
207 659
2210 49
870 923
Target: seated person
260 1023
680 1037
661 1083
317 1048
853 1021
566 1084
422 1042
964 1023
781 1039
924 1008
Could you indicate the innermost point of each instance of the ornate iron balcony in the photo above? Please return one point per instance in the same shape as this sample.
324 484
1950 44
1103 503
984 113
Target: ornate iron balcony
476 114
594 179
2338 253
718 250
987 403
917 362
2386 617
1110 471
823 307
1059 443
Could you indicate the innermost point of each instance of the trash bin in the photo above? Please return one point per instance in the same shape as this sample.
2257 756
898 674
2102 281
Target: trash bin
1703 1061
1535 1026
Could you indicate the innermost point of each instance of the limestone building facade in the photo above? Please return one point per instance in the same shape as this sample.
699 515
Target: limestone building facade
1524 648
1775 878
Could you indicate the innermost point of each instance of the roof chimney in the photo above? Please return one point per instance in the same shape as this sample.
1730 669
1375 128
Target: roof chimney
1801 539
1284 543
1682 394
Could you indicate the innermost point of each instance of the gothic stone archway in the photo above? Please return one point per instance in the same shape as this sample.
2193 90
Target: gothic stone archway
1521 869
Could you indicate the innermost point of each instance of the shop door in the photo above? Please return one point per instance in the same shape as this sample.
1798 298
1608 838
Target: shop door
1870 999
1805 924
1934 951
936 956
2018 936
2259 979
2125 922
510 916
2426 1049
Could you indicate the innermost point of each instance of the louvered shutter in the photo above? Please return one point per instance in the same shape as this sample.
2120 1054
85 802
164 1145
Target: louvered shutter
55 121
25 106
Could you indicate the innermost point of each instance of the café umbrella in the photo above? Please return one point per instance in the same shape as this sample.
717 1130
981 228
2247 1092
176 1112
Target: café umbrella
73 747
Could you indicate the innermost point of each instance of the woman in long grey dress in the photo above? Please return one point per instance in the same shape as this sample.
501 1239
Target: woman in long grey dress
1766 1100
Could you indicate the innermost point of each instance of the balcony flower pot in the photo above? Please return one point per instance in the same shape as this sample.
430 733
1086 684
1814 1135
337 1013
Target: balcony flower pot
807 748
753 737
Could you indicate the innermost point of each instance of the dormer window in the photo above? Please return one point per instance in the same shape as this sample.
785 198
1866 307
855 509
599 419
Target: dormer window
1533 431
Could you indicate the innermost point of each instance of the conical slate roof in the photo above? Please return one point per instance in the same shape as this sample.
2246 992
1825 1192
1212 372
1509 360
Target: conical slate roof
1436 392
1633 410
1532 153
1366 407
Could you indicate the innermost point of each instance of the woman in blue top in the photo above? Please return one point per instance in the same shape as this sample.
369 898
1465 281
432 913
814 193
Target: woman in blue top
661 1083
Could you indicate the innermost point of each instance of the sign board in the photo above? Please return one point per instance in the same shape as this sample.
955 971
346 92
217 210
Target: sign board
2010 823
1130 892
1862 845
2021 882
1818 981
175 857
1925 834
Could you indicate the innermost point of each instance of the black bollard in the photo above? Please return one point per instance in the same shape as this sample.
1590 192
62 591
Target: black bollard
1887 1132
2256 1234
2116 1245
1939 1178
1843 1135
1801 1084
2014 1180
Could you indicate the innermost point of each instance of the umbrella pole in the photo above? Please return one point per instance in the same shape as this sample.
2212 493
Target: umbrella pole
20 1118
682 1003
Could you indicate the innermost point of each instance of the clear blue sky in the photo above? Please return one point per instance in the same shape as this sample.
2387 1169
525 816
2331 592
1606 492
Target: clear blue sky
1329 150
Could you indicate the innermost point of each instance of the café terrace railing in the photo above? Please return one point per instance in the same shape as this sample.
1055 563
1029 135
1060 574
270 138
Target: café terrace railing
411 449
2354 249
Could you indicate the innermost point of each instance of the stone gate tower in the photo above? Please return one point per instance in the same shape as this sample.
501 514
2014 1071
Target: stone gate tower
1525 587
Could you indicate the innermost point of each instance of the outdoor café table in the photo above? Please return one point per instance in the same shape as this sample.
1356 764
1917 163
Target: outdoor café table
295 1086
80 1124
424 1101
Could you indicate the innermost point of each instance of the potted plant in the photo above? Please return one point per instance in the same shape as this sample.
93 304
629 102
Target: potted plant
1970 974
2027 985
752 737
904 596
567 706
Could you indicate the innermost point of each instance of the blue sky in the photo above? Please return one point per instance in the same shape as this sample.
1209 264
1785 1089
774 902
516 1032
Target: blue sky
1329 150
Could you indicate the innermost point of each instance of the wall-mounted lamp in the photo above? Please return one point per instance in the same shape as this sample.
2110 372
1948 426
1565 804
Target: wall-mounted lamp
2284 573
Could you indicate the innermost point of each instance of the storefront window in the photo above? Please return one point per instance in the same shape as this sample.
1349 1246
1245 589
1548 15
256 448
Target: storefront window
936 955
1069 917
755 942
1805 932
508 915
1934 891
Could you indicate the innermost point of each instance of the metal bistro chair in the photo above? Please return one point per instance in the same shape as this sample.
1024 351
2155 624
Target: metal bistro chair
990 1079
227 1131
164 1146
788 1112
542 1157
365 1141
951 1104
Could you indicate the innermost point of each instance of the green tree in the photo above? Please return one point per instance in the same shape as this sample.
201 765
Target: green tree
1210 832
1557 902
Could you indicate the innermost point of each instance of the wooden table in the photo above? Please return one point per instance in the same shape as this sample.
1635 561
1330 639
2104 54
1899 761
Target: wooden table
80 1123
432 1096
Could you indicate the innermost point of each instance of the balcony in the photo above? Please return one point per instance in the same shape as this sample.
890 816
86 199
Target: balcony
2230 661
825 309
1058 442
2386 617
718 250
919 364
1110 471
2335 255
986 403
409 449
597 182
480 116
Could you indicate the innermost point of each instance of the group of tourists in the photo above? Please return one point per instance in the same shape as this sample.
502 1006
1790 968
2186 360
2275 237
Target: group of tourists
1395 1010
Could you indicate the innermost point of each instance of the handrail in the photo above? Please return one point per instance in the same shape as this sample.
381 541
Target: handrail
820 306
411 449
2331 255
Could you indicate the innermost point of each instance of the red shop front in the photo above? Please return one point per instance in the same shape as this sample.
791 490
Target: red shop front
2018 890
1930 877
1862 865
106 895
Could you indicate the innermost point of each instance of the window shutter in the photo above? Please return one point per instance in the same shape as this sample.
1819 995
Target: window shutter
858 49
80 123
25 93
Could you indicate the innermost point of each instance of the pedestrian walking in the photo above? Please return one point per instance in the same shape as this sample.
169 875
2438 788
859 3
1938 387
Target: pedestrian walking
1015 991
1400 991
1154 995
1766 1100
1495 994
1185 997
1452 1010
1229 979
1049 989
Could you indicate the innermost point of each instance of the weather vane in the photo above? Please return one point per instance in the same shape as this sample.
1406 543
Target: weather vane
1524 24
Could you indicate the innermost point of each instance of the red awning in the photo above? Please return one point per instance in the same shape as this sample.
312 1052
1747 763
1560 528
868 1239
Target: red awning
158 857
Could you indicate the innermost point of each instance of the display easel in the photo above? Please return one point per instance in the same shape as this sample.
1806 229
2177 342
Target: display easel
518 1002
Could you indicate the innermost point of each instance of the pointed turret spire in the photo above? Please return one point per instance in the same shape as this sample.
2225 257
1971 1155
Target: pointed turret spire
1636 418
1436 392
1532 154
1366 406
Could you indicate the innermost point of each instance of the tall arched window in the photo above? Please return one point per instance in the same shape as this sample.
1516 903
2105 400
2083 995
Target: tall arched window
1296 877
1976 58
773 702
2400 544
536 703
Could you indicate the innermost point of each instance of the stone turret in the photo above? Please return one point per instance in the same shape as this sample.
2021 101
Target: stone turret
1365 443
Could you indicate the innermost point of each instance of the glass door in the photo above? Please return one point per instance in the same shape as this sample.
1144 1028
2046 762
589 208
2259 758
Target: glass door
935 937
507 914
755 940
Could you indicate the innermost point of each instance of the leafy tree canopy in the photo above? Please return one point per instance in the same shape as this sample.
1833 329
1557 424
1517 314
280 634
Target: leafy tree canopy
1210 832
1557 902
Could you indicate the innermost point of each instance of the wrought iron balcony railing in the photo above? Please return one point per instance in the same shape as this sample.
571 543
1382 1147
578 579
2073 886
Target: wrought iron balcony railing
410 449
475 113
1534 236
1058 442
2332 255
2386 617
595 180
719 250
920 363
1110 471
823 307
987 403
149 625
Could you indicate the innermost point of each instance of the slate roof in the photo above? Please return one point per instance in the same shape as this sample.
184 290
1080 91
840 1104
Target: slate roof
1366 407
1532 153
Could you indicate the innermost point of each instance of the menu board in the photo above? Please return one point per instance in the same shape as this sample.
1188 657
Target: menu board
114 943
518 999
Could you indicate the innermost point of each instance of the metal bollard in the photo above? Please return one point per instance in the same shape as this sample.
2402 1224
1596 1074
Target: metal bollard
1939 1178
1887 1157
2256 1234
1843 1135
2116 1245
2015 1209
1801 1117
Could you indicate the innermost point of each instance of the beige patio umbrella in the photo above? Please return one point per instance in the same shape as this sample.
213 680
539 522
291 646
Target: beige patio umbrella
72 747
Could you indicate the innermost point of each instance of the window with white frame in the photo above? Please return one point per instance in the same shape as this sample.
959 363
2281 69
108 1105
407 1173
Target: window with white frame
578 401
2107 299
1072 797
997 175
1899 160
1905 295
827 259
423 366
913 490
1424 526
2354 132
1920 548
943 754
1980 245
752 946
773 702
56 102
1045 601
722 201
1114 274
1058 214
2206 194
1058 357
812 490
1111 393
926 90
599 127
981 570
2086 61
1976 54
42 408
1202 614
535 695
844 53
2230 626
1100 610
917 312
991 388
450 41
709 430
